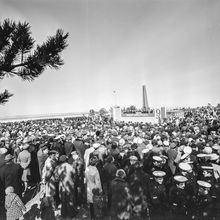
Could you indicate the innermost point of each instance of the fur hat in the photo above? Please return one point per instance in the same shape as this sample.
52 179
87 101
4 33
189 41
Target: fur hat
120 173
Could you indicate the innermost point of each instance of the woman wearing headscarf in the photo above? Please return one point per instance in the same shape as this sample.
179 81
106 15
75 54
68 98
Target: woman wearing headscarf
13 204
121 203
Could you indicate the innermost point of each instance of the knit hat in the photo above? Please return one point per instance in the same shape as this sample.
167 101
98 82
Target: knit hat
9 189
63 158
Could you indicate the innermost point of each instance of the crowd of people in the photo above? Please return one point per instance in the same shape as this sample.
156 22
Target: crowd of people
118 170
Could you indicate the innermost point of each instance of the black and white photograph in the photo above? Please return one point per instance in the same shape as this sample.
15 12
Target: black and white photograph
109 109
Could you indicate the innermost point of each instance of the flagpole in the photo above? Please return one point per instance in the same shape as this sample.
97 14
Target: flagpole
115 98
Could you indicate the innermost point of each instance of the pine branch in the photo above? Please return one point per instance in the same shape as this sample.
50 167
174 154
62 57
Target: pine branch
17 57
6 30
45 55
4 96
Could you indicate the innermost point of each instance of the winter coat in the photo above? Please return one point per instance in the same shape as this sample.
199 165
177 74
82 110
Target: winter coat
178 202
34 168
24 159
121 207
14 206
69 147
41 160
87 155
48 176
202 207
12 177
80 147
67 175
138 184
109 173
93 181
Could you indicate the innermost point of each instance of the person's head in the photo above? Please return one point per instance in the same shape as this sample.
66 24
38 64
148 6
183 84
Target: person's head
180 181
76 158
207 171
54 155
185 168
157 161
62 158
120 173
133 159
9 158
25 146
110 159
134 146
9 189
203 187
93 160
159 176
114 145
45 150
7 142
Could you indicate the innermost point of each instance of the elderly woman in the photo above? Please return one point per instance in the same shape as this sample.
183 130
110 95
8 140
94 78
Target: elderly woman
93 182
13 204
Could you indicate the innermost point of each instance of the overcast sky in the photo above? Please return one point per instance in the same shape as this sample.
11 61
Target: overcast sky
171 46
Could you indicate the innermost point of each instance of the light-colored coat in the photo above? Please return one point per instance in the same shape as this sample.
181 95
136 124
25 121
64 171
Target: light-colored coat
87 155
24 159
48 176
93 181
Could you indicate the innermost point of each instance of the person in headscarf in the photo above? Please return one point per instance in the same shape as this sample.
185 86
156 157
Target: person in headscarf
13 204
121 200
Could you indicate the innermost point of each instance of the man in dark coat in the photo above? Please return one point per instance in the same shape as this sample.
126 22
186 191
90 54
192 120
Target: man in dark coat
157 196
34 166
12 174
2 167
202 203
120 197
178 198
58 145
109 172
138 182
80 147
68 147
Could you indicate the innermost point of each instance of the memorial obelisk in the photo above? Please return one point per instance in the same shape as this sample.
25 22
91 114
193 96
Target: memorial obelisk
145 107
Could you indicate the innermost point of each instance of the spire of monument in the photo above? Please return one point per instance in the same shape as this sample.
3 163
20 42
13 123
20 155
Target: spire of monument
145 100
